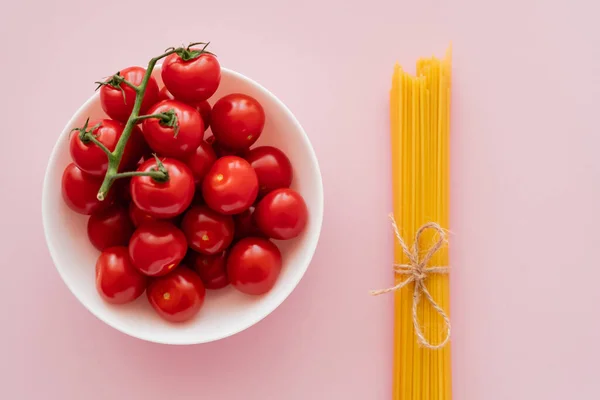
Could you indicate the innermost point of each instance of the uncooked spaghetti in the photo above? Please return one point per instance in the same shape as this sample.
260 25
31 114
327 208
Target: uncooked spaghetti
420 132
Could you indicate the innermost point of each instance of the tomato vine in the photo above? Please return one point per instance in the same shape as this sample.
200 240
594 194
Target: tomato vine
167 118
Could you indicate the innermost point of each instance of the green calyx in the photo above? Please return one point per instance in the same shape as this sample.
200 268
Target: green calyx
188 53
160 167
86 135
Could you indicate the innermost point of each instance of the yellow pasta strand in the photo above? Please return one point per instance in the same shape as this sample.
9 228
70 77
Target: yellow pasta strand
420 129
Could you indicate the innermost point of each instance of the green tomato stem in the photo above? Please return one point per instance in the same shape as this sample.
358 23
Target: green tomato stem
116 156
93 139
157 175
131 85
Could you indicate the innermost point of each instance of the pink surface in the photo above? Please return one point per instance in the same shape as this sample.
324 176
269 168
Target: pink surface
525 196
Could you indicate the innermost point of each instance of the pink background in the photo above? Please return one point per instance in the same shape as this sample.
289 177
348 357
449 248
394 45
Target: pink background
525 196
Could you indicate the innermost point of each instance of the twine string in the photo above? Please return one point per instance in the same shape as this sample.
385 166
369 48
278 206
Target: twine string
418 271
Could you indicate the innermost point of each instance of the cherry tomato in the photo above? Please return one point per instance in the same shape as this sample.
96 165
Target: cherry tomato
118 104
110 227
157 247
170 141
79 191
212 269
163 199
281 214
245 225
117 281
237 120
207 231
92 160
178 296
191 77
203 107
230 186
272 167
201 160
253 265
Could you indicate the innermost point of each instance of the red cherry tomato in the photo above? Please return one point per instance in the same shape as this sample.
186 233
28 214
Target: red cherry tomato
230 186
92 160
201 160
157 247
207 231
79 191
272 167
117 281
87 155
253 265
203 107
212 269
164 140
163 199
237 120
178 296
191 77
110 227
118 104
281 214
245 225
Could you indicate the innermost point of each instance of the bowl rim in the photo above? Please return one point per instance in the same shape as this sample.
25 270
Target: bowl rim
310 246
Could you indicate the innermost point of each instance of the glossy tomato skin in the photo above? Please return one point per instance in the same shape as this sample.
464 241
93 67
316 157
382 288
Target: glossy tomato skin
253 265
207 231
237 121
79 191
92 160
192 80
110 227
230 186
163 199
272 167
245 225
211 269
117 281
200 161
119 108
162 138
281 214
156 248
178 296
203 107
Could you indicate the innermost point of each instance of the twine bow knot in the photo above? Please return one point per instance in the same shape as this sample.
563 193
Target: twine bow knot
418 271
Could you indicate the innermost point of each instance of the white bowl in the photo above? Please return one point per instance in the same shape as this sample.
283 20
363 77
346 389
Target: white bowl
226 311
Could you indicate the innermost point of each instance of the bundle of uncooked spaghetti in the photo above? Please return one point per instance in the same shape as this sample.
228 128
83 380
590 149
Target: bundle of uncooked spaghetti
420 128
